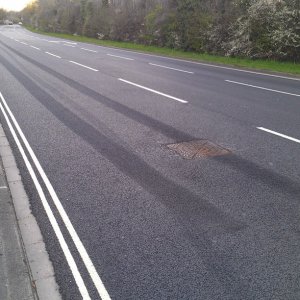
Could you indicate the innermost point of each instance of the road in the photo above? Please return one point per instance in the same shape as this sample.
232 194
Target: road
138 220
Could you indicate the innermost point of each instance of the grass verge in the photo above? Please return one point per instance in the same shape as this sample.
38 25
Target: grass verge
267 65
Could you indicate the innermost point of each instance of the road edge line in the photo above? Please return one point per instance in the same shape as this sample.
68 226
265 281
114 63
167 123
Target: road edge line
254 71
33 245
53 222
65 218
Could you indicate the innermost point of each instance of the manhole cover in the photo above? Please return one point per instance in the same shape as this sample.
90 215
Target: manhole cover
198 149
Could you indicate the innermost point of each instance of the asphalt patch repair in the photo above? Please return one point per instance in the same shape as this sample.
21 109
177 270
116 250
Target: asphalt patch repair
198 149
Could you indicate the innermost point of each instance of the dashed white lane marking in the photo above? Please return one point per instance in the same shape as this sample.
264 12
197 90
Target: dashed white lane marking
31 36
89 50
69 45
72 43
279 134
122 57
70 260
35 47
84 66
165 67
153 91
23 43
53 54
207 64
262 88
78 244
3 187
202 64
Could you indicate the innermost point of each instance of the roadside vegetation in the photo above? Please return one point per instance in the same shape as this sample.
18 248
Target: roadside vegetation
262 34
262 64
8 16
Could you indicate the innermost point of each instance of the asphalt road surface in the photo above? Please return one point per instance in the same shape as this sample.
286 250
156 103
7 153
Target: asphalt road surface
126 217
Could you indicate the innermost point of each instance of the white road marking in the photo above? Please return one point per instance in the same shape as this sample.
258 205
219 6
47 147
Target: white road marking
29 35
3 187
69 45
77 242
205 64
154 91
70 260
122 57
35 47
72 43
279 134
245 71
262 88
35 37
76 63
53 54
89 50
23 43
165 67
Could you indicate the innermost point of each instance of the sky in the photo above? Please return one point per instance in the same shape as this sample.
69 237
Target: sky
15 5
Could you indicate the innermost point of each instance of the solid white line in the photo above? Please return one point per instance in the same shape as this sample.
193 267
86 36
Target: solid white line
122 57
171 68
80 247
69 45
154 91
245 71
76 63
279 134
262 88
54 224
204 64
35 47
89 50
53 54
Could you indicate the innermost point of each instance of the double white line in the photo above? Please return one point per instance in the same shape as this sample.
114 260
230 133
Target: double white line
77 242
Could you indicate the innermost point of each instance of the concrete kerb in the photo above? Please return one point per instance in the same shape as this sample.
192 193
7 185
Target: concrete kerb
40 268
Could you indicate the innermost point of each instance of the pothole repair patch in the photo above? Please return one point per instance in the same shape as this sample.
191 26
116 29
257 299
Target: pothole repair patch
198 149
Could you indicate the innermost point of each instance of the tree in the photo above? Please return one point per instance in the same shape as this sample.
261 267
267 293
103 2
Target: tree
268 30
3 15
251 28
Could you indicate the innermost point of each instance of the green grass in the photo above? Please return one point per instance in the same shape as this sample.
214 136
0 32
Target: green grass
268 65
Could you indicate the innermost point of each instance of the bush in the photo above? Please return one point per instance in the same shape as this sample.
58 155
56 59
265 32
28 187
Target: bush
268 30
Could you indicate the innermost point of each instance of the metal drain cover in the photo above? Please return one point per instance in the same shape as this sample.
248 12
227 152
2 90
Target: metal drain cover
198 149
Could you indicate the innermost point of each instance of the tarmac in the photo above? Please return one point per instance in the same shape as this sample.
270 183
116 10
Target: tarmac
26 272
